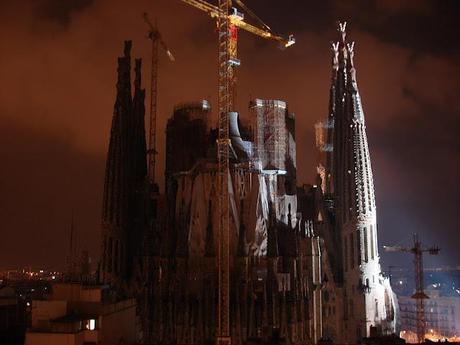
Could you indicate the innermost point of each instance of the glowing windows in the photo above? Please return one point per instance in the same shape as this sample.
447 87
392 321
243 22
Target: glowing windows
90 324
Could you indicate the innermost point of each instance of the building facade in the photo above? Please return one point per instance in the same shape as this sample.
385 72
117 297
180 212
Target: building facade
78 314
304 260
275 255
442 316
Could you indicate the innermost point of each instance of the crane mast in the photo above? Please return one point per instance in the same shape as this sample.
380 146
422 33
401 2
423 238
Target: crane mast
152 148
225 105
156 39
151 268
228 22
419 294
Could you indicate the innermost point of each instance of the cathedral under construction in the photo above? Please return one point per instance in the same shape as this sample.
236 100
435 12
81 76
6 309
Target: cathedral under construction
304 261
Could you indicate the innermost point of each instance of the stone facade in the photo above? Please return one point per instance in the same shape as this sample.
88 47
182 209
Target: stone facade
304 260
276 257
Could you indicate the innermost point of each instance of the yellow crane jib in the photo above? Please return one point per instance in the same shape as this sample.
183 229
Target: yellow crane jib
237 18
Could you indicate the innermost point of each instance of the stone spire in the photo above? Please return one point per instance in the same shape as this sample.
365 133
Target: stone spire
328 126
349 162
115 173
364 182
138 127
354 199
122 222
341 46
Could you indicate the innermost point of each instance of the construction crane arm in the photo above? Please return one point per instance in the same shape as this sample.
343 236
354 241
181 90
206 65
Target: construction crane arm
204 6
433 250
168 52
154 34
148 22
252 14
395 249
239 22
286 42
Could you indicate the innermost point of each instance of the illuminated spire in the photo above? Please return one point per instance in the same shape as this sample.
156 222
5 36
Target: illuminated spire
353 194
342 27
353 85
335 59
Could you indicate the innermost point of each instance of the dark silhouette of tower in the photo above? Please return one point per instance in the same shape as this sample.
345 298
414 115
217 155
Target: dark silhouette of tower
125 175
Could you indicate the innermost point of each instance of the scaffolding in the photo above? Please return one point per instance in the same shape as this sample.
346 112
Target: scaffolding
271 134
323 142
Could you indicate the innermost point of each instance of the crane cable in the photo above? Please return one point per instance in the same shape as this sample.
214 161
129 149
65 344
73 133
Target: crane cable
253 15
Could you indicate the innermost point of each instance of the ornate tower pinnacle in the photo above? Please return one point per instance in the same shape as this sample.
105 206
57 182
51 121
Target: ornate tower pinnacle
342 26
335 59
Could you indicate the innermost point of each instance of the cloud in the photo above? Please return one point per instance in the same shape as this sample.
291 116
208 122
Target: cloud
59 71
416 163
60 11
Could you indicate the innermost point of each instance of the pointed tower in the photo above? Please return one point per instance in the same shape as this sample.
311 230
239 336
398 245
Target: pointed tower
116 186
139 145
124 175
367 297
325 138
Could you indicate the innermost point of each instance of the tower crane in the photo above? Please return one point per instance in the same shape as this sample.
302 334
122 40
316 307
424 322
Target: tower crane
229 20
155 36
233 20
151 266
417 249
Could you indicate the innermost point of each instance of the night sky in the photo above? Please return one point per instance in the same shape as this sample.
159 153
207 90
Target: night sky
58 73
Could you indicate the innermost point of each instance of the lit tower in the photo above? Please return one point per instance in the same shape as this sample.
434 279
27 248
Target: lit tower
368 302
